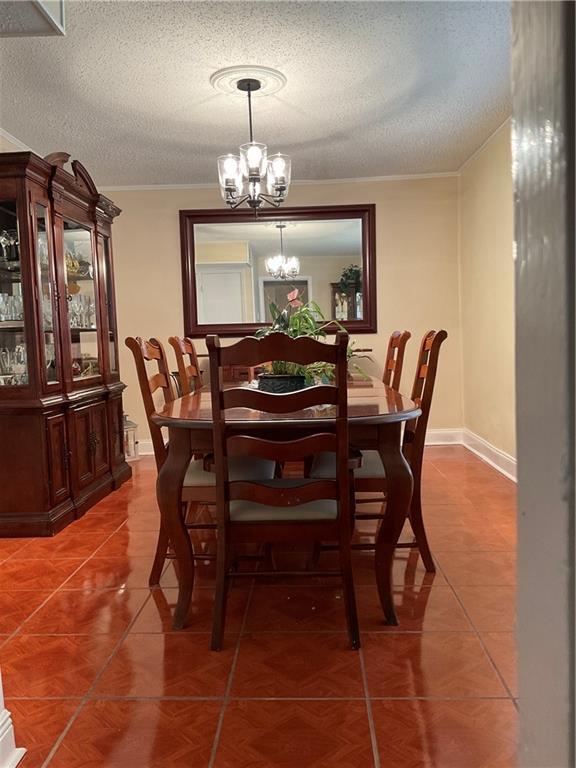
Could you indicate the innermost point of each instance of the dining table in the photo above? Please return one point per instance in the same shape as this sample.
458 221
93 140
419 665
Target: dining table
376 413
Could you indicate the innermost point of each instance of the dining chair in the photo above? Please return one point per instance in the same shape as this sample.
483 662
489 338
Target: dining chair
199 483
288 510
188 372
395 359
370 477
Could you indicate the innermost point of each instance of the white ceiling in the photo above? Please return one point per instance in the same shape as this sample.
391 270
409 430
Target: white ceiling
324 239
373 88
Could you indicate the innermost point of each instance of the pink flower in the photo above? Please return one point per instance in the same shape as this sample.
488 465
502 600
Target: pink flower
296 303
293 295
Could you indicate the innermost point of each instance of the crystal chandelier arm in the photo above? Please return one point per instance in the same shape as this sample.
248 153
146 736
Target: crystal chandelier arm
270 200
235 203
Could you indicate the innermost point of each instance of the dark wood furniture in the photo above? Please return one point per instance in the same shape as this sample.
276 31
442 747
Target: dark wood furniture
375 416
189 373
394 362
285 510
61 419
354 308
198 484
372 476
366 214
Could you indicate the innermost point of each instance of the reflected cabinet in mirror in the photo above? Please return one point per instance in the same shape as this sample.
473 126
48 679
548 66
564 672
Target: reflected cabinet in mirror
236 267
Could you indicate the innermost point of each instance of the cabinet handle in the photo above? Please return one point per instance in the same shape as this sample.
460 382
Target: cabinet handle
93 441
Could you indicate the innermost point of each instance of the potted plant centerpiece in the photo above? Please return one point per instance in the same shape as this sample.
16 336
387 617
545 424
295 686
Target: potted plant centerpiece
296 319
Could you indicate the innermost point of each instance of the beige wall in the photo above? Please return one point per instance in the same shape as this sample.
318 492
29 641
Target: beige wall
417 267
487 292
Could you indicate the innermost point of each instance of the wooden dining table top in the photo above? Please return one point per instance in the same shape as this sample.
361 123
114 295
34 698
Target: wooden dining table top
369 402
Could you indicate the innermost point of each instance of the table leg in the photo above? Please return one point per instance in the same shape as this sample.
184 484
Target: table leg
169 493
399 482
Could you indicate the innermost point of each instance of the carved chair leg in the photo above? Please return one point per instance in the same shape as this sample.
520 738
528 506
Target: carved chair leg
268 560
159 557
222 587
315 556
349 595
417 523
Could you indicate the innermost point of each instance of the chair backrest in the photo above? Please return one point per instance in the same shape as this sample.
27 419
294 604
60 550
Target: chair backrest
146 352
229 441
395 358
188 373
422 391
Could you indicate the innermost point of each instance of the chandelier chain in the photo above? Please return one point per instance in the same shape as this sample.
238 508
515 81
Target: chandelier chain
250 114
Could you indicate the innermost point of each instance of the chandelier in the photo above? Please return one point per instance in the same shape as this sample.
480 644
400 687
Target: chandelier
279 267
243 177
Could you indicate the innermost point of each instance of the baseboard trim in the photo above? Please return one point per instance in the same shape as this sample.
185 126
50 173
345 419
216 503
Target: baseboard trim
498 459
444 437
10 754
145 448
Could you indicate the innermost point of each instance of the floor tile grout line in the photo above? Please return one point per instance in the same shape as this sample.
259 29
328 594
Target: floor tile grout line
220 723
51 595
478 635
369 713
86 698
111 697
69 528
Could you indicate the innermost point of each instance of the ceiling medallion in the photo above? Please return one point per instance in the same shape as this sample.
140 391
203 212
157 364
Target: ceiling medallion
281 267
244 177
226 80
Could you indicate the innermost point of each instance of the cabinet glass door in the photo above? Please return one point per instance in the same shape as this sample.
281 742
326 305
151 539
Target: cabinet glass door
46 293
13 361
81 295
109 303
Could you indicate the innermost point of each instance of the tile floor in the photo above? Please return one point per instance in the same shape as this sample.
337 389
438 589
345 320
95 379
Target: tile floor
94 676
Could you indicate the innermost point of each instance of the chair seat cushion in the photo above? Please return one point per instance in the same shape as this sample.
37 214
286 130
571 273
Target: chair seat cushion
240 468
324 466
251 511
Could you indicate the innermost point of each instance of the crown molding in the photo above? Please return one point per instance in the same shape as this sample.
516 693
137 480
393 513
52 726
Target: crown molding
294 183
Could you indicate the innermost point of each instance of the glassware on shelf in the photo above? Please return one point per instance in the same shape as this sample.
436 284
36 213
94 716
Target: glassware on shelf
9 250
46 292
82 312
11 307
81 295
13 366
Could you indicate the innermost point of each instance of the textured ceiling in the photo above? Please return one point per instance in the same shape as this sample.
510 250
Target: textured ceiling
324 239
374 88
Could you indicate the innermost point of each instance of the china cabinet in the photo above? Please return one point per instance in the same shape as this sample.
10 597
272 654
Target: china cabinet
61 420
346 304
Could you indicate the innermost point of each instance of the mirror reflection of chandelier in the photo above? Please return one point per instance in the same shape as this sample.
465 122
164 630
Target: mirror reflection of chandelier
251 177
281 267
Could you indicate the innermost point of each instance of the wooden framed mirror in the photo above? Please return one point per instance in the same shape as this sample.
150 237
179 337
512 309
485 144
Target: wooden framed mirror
227 283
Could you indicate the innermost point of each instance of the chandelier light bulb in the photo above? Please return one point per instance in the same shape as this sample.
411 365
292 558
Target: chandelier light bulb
242 178
292 267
